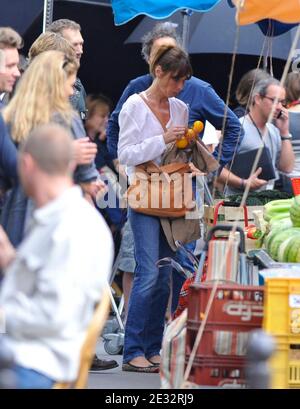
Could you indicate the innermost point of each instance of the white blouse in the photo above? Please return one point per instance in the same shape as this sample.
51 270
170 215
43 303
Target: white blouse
141 133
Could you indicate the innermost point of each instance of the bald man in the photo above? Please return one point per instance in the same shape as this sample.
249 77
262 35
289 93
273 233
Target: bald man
59 271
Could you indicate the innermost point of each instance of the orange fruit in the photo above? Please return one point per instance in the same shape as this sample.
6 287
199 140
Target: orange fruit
198 126
182 143
190 134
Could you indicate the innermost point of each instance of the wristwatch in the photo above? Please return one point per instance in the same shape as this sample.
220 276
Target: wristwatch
286 138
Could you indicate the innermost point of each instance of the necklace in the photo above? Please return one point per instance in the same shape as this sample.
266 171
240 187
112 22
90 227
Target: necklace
258 130
270 139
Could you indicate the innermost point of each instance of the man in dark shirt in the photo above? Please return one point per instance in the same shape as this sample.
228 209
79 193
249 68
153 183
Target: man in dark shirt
10 43
71 31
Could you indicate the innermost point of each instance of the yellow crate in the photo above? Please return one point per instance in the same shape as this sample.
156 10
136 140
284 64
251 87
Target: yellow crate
282 320
282 306
285 363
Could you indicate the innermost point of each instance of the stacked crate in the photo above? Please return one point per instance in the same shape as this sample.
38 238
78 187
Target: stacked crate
229 215
235 310
282 320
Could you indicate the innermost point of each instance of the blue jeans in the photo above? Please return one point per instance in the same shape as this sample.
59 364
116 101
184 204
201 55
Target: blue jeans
151 288
26 378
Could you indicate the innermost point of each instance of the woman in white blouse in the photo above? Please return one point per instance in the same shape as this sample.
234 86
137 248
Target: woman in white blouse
148 122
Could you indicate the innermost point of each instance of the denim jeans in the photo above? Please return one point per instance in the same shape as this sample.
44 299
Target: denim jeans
26 378
151 288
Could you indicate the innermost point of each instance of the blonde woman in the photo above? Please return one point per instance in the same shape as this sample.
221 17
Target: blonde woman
85 150
42 96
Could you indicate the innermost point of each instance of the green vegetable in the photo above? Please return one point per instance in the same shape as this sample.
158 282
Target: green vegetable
278 238
293 252
295 211
284 248
259 198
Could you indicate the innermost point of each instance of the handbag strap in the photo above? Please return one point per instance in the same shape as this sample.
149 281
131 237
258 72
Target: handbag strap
154 113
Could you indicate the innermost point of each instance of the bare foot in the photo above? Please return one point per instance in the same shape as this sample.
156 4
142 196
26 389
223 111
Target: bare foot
155 359
140 361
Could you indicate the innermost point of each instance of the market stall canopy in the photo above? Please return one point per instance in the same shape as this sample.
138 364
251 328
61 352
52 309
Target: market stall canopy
251 11
215 31
125 11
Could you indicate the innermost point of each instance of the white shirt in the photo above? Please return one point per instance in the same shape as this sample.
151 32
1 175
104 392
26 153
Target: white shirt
50 289
141 134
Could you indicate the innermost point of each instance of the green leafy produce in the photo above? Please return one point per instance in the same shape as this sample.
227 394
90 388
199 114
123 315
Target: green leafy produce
259 198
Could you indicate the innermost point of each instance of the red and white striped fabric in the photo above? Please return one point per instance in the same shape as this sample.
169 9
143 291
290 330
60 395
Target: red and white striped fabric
222 260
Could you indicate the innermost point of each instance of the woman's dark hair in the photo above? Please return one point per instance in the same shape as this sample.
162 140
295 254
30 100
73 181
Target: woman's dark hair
292 86
172 59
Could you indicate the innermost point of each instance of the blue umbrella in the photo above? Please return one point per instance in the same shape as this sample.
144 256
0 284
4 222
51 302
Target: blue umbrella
127 10
215 32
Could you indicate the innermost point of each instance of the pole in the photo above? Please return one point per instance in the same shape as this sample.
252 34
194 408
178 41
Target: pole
48 14
186 28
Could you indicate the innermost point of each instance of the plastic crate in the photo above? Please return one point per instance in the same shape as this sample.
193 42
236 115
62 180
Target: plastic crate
221 373
285 364
218 344
234 312
296 186
233 305
282 306
282 320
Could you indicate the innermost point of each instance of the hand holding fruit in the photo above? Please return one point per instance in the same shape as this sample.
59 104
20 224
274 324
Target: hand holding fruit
174 133
190 134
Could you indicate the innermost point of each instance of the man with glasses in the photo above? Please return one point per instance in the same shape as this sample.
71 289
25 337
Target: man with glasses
267 95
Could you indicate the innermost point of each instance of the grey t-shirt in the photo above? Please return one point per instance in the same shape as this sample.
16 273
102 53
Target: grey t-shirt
252 140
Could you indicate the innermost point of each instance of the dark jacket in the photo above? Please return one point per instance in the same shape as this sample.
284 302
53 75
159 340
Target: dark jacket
78 99
203 103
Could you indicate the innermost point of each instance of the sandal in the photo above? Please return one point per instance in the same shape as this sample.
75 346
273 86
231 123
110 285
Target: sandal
157 364
133 368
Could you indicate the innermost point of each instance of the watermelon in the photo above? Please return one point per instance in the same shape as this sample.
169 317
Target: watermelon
292 254
279 238
284 248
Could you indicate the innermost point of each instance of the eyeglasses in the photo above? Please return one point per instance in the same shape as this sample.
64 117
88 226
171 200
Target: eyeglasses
278 101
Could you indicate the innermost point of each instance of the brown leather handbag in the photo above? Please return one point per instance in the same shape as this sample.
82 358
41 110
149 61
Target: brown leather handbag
161 191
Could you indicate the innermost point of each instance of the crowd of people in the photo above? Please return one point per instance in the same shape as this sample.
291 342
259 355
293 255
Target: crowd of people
60 150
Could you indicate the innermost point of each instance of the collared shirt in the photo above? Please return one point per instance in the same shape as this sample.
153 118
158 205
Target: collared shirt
50 289
203 103
141 134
